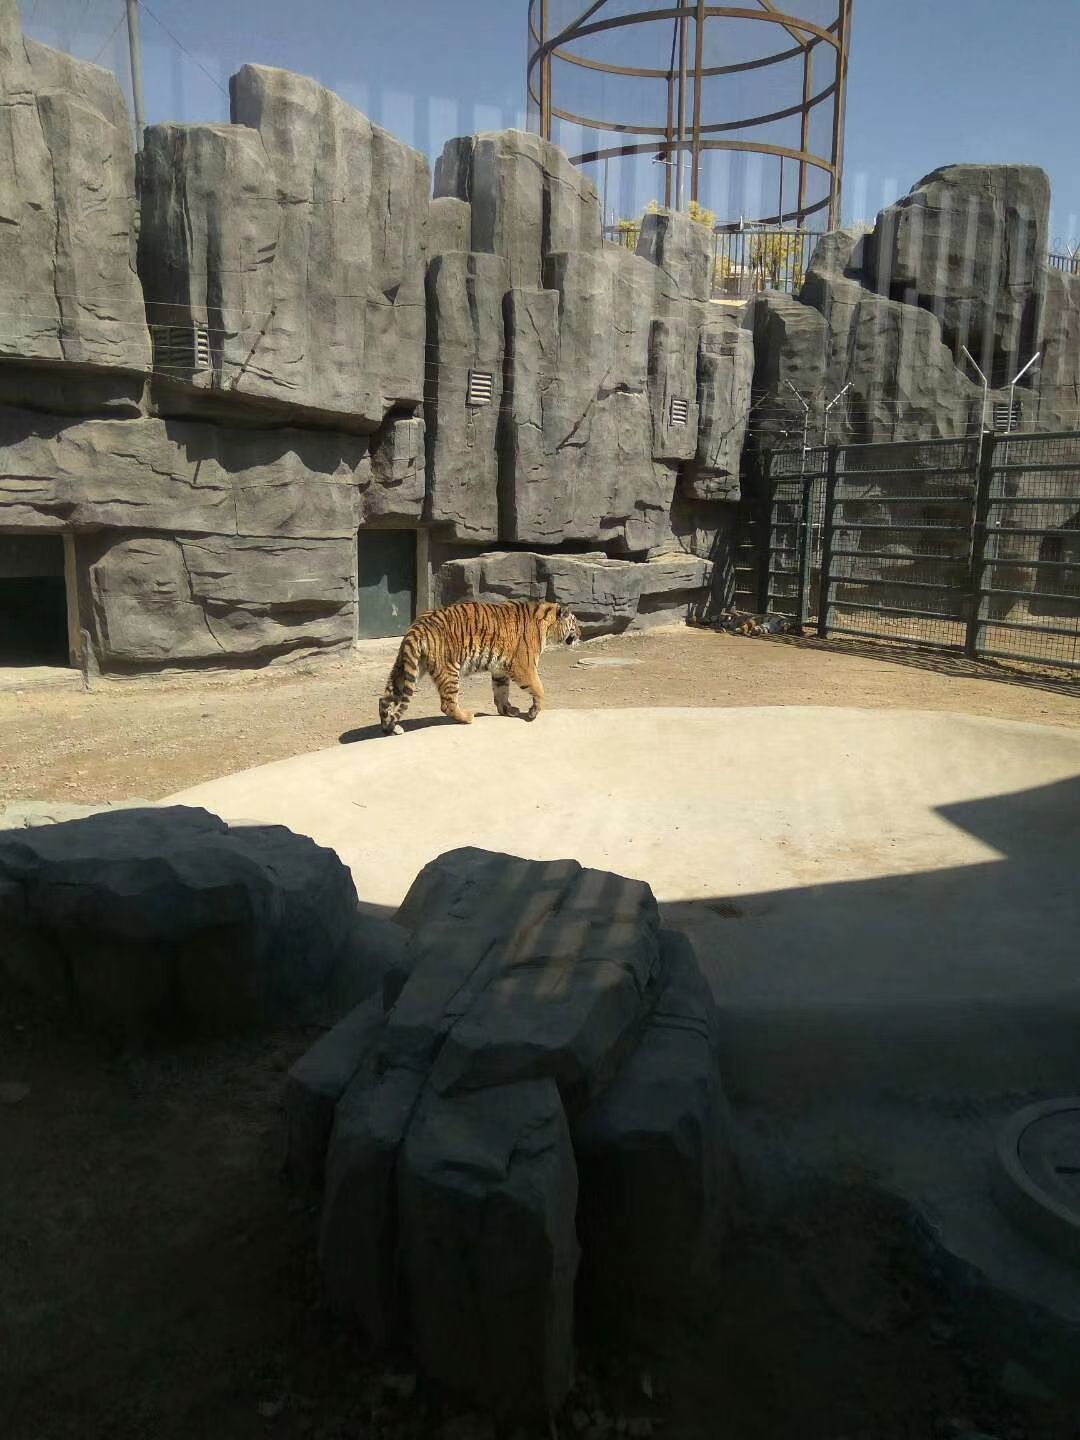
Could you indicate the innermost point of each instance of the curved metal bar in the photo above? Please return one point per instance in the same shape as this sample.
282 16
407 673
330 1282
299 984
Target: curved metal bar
710 70
757 147
615 127
677 12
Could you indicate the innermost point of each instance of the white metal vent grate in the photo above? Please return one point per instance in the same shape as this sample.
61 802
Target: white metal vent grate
180 349
679 413
1006 416
481 389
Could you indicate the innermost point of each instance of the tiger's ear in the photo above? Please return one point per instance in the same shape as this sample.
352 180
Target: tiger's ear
560 611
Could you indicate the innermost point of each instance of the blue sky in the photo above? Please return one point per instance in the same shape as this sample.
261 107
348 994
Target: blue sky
931 81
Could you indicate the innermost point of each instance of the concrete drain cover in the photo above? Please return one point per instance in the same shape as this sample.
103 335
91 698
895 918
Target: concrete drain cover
606 662
1037 1177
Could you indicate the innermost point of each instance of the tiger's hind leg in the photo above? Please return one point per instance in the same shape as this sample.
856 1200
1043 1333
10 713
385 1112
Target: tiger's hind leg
500 685
446 682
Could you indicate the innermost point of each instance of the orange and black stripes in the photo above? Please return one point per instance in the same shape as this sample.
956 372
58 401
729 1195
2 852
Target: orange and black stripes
507 639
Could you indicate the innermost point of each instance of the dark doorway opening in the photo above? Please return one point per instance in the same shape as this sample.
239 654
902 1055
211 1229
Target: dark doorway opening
385 582
33 601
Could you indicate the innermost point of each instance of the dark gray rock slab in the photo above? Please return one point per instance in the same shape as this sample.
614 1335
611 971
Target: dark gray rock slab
358 1228
607 596
317 1082
681 251
297 235
68 287
158 602
179 476
167 920
655 1157
523 970
969 244
725 377
527 198
488 1195
398 483
465 338
449 225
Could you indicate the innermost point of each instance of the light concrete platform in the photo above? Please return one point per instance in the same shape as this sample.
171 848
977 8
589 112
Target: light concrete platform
828 862
886 903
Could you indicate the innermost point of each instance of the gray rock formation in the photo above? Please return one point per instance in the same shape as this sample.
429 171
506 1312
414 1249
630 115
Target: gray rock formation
583 397
541 1002
681 250
527 200
904 381
68 287
655 1159
317 1082
202 544
463 405
357 1253
487 1190
297 237
607 596
167 920
725 376
969 244
449 226
397 488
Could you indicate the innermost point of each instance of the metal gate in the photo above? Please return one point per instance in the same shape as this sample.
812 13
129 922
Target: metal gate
966 545
1026 567
897 544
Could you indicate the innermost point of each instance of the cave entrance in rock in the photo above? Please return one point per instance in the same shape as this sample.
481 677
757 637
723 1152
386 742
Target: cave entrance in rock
37 624
386 570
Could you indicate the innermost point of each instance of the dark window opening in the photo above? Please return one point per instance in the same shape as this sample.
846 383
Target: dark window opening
33 601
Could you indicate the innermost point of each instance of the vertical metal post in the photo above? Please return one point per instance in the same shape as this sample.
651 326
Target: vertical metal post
982 549
680 155
669 133
844 37
802 611
766 541
699 60
545 75
135 54
825 581
985 389
804 141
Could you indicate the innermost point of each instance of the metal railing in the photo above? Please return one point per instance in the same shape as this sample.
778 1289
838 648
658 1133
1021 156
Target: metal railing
1069 263
745 261
964 545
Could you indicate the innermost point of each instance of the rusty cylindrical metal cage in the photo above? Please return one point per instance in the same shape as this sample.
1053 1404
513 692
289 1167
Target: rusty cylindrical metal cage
685 106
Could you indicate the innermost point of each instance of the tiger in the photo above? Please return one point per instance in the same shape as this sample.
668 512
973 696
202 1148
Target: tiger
506 638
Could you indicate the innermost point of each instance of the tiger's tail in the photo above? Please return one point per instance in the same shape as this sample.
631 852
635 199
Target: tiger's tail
401 683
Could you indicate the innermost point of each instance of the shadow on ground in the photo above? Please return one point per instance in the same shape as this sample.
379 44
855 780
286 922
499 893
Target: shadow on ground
152 1184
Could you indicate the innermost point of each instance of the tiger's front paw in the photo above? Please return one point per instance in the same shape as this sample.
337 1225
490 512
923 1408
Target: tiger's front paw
531 714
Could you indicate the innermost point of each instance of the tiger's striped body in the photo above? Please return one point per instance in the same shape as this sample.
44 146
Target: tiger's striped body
507 639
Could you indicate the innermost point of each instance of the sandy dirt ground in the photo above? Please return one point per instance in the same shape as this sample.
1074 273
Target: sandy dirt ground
157 1278
152 738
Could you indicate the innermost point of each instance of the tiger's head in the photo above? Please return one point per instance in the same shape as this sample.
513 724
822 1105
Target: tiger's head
566 630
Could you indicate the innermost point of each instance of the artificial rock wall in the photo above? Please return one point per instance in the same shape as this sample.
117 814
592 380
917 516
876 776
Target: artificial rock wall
218 371
220 367
960 262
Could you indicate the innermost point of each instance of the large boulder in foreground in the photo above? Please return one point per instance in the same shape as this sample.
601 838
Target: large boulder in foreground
539 1021
169 921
